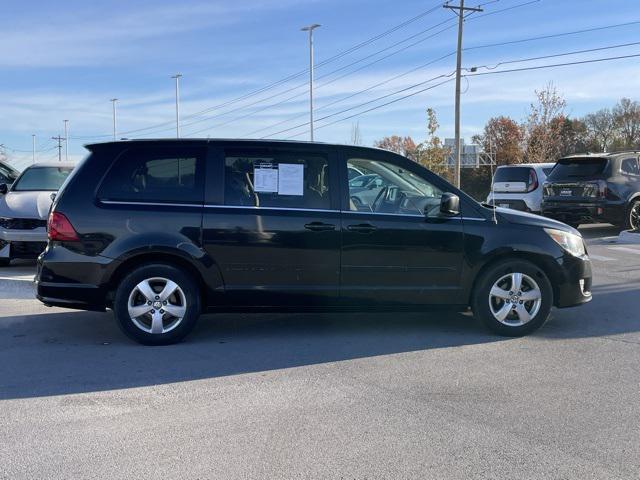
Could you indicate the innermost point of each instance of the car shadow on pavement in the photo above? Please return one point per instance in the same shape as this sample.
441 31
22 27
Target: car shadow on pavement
65 352
71 352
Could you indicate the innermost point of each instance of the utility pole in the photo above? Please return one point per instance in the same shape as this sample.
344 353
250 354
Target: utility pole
113 101
310 29
59 139
177 77
66 140
33 147
459 11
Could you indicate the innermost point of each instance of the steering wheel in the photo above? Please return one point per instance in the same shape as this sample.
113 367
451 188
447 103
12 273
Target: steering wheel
356 201
381 193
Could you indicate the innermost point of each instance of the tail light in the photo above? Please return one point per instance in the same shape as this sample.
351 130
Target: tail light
59 228
533 181
602 189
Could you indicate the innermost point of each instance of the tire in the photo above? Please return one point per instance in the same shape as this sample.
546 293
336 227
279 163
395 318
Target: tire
155 325
489 305
632 216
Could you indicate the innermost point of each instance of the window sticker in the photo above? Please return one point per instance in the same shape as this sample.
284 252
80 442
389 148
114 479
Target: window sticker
265 178
291 179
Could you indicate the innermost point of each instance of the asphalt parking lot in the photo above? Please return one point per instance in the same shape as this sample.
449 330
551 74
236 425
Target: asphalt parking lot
352 396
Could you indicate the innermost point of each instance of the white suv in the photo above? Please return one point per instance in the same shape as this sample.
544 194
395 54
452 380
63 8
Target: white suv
519 186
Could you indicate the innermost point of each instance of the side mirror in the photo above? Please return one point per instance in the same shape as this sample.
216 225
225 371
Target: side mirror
449 204
4 188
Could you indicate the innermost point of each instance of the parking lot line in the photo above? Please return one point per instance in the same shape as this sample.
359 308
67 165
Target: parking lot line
626 249
600 258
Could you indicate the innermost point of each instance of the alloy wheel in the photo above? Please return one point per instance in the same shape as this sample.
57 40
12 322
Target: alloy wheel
515 299
157 305
634 216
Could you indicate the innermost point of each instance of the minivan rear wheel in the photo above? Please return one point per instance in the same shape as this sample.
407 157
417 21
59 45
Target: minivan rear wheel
157 304
513 298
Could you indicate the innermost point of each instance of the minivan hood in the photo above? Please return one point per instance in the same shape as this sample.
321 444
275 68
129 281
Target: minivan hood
523 218
25 204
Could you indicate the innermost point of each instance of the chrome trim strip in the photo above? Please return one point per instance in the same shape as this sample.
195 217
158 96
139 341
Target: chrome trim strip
150 204
286 209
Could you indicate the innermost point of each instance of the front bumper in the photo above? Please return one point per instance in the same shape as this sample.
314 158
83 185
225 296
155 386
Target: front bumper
573 287
581 212
35 235
26 244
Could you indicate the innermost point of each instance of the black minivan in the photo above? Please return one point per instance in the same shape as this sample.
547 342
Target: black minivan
162 230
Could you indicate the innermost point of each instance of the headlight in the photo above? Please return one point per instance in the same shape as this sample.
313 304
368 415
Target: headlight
570 242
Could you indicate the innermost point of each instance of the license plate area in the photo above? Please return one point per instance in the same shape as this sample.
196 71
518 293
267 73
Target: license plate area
566 192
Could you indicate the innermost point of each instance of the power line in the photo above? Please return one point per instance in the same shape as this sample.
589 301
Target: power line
301 85
554 35
294 75
538 67
564 54
566 64
319 86
365 103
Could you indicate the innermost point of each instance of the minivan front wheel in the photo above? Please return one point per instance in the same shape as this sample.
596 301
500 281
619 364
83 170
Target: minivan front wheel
157 304
513 298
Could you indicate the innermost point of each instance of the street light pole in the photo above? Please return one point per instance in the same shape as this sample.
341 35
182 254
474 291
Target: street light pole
66 140
177 77
113 102
33 147
310 29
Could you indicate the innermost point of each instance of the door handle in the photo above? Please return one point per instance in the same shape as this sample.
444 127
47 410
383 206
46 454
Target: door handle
319 226
362 228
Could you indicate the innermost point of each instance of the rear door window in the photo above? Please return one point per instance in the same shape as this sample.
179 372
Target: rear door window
162 175
629 166
576 168
277 180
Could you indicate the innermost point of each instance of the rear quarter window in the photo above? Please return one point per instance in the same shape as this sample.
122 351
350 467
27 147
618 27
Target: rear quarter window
158 175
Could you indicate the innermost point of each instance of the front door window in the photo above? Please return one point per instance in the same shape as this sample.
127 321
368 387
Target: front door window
383 187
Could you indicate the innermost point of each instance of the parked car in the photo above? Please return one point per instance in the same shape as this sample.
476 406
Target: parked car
594 188
160 231
519 187
24 207
8 174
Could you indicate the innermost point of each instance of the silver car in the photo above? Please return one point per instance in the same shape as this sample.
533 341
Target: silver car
24 207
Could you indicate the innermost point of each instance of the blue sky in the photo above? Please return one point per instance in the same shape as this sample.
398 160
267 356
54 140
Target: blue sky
66 60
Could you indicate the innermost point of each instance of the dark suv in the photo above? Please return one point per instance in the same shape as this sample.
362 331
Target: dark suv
603 187
160 231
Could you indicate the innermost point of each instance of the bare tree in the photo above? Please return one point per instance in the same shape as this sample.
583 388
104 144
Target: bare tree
601 127
356 135
543 129
626 116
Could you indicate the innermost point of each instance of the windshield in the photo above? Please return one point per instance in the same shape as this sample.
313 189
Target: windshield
578 168
41 178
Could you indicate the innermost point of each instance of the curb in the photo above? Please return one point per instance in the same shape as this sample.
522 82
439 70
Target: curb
629 236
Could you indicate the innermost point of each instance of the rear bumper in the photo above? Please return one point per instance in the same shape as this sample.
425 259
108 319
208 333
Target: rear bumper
69 280
581 212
